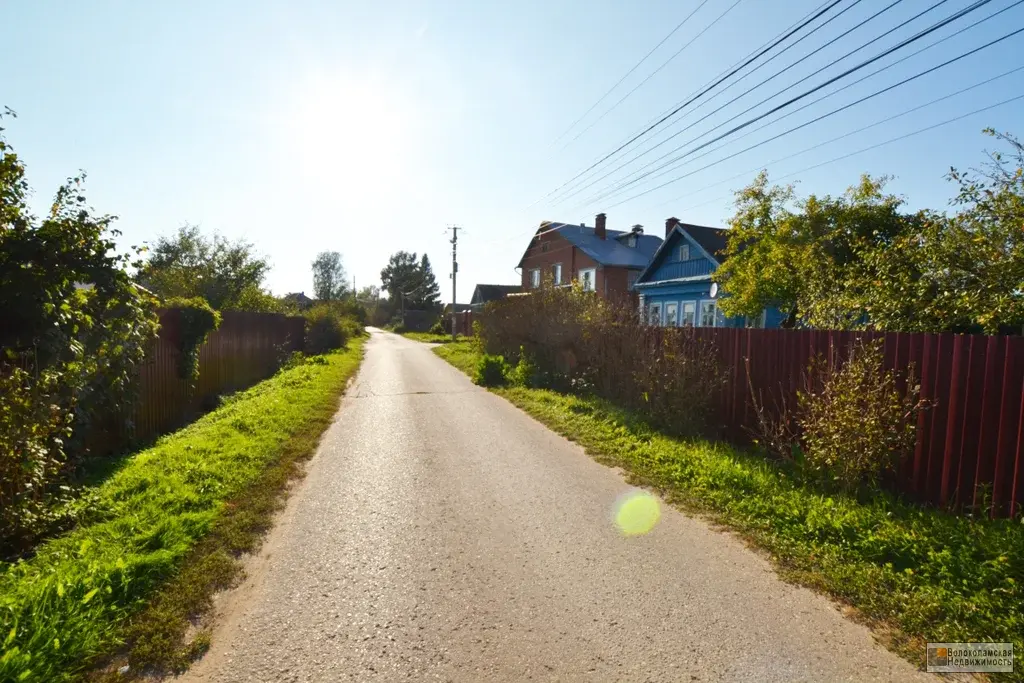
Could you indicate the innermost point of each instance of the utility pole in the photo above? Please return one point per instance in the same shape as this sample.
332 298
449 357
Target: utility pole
455 269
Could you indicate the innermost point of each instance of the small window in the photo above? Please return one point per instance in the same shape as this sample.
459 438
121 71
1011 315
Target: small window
757 322
631 241
544 246
689 314
654 314
588 279
535 278
671 310
556 273
684 252
708 314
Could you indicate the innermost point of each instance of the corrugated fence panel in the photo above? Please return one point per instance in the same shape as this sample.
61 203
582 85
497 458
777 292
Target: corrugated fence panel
969 448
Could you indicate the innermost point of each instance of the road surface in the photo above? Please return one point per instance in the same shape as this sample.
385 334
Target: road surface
442 534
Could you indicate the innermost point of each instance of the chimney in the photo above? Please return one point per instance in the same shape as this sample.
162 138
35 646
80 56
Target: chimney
599 226
669 224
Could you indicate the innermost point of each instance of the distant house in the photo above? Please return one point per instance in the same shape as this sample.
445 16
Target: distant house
603 261
484 294
676 288
301 301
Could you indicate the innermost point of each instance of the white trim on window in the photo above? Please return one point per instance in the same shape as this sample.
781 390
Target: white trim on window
654 313
588 279
535 278
556 273
672 314
684 252
708 308
757 323
688 314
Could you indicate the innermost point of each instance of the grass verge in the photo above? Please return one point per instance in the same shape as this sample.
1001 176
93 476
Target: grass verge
918 574
428 337
164 535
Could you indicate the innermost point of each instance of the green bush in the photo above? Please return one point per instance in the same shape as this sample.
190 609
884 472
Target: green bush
526 373
437 328
198 319
856 422
491 371
328 328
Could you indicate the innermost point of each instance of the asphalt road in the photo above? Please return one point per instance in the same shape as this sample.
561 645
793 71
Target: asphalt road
441 534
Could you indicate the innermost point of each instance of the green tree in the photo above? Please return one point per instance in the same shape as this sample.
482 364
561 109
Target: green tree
429 294
329 280
807 257
188 264
74 329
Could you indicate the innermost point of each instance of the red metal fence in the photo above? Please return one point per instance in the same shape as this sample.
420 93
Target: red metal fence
968 450
246 348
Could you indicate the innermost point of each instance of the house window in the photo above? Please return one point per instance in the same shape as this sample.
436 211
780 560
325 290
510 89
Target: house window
689 315
684 252
535 278
631 240
671 310
544 246
556 273
708 313
631 277
588 278
756 322
654 314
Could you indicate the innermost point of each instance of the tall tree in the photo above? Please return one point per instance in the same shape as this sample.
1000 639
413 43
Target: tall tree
429 297
329 283
189 264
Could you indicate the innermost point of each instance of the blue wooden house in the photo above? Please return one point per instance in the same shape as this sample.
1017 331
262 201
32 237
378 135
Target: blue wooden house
676 288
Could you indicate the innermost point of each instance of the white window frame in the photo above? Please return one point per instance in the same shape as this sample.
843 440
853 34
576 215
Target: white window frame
651 308
535 278
684 252
692 306
700 313
671 314
631 240
758 322
591 284
556 273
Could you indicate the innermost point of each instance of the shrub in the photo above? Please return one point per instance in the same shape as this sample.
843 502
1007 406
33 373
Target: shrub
856 422
329 328
491 371
526 373
438 328
197 320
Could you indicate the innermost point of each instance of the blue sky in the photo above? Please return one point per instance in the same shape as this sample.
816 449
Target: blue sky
368 127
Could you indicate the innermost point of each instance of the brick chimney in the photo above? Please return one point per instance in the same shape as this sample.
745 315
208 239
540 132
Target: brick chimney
599 226
669 224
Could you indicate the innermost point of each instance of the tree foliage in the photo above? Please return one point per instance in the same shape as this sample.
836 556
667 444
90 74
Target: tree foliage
75 327
409 279
187 264
861 260
329 279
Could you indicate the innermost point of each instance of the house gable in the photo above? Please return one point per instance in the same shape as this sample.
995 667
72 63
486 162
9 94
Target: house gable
666 264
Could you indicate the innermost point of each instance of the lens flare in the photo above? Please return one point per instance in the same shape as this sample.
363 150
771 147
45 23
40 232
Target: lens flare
637 513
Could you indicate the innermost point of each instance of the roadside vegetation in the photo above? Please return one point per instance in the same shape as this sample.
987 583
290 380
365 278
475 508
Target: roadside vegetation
917 574
428 337
163 532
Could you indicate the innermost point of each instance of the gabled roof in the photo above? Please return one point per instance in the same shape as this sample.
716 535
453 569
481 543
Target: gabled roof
711 240
612 251
484 293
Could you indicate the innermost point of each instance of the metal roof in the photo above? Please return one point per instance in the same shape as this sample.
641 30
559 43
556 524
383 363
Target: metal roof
612 251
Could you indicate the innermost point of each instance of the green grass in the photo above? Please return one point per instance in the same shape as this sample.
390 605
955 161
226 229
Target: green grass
917 574
428 337
165 534
463 354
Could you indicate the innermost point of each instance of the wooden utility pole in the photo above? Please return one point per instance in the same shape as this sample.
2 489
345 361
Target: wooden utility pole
455 269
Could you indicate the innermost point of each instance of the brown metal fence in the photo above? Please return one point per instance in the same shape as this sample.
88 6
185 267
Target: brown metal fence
246 348
968 450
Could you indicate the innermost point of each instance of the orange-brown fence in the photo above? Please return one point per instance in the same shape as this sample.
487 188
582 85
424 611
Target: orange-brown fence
969 445
246 348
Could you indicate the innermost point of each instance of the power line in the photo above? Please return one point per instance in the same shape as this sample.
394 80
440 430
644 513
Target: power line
882 144
672 113
622 183
655 72
579 189
706 84
846 135
628 73
819 118
867 62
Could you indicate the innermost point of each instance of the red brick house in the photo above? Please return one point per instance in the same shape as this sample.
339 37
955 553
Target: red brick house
605 261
